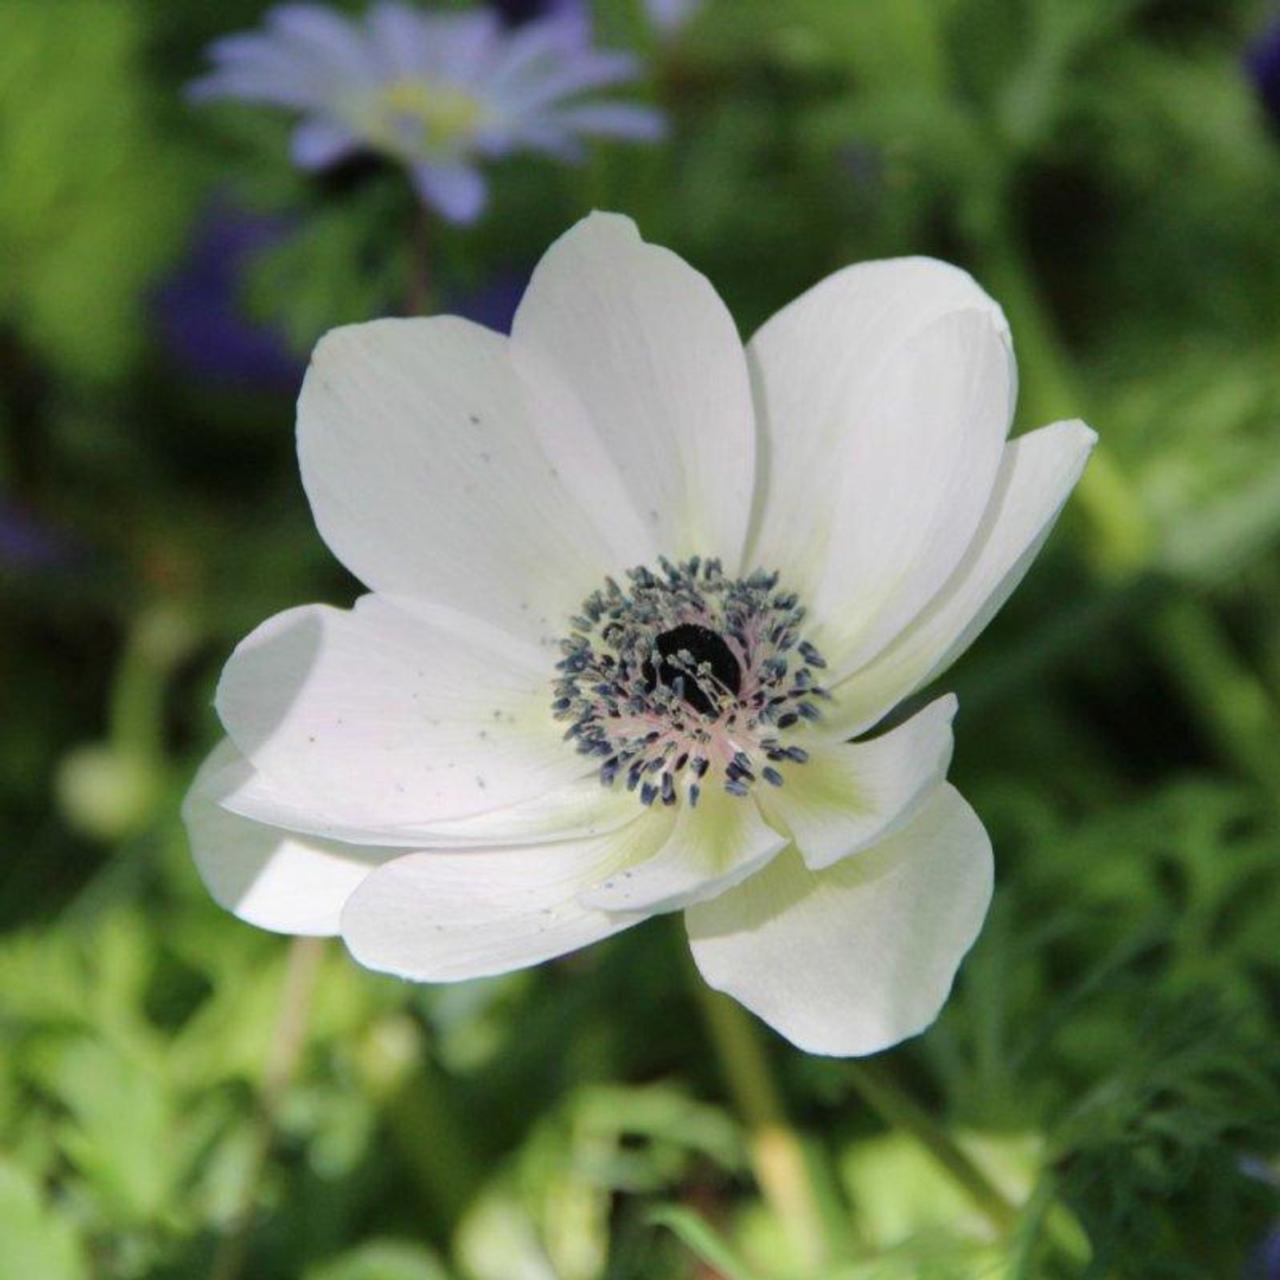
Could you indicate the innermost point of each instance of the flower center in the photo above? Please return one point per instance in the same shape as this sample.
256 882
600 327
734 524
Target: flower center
687 674
692 645
424 117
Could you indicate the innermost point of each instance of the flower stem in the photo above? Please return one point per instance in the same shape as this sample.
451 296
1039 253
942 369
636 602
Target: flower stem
421 285
1230 701
777 1154
426 1131
288 1037
900 1111
160 637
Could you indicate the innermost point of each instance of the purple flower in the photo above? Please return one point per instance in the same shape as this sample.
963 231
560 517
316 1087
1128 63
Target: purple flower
29 543
577 12
200 312
1265 1262
438 92
1262 61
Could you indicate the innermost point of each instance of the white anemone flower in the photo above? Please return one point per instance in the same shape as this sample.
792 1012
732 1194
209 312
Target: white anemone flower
634 595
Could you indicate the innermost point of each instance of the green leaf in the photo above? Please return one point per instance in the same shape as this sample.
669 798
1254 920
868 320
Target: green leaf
382 1260
94 198
124 1131
497 1240
345 263
36 1242
699 1238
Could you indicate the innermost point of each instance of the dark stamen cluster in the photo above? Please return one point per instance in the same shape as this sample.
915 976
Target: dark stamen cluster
686 671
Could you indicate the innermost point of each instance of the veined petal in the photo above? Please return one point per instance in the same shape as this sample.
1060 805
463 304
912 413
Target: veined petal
654 358
576 810
852 959
1036 476
714 845
270 878
441 464
442 917
818 368
381 716
848 796
911 478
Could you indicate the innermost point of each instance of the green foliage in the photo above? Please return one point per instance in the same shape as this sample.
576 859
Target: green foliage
342 265
93 197
702 1241
382 1260
1199 1084
37 1242
1110 1059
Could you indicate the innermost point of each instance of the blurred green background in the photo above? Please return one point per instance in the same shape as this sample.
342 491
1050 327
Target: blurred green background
174 1104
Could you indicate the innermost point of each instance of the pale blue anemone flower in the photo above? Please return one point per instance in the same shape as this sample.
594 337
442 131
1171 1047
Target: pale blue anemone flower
438 92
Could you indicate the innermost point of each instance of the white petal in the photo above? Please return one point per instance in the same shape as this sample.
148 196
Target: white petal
441 465
855 958
822 369
381 716
653 355
714 845
814 364
573 811
441 917
271 878
906 477
848 796
1036 476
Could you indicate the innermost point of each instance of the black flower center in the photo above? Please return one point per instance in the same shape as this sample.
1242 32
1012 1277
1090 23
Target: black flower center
685 675
688 650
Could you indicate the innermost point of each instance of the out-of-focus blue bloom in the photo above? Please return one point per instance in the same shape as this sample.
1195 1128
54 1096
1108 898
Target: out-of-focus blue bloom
492 304
28 543
438 92
668 15
1262 60
1265 1263
200 312
576 13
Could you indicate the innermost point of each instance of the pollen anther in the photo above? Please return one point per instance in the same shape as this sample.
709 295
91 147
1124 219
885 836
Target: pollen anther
684 672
